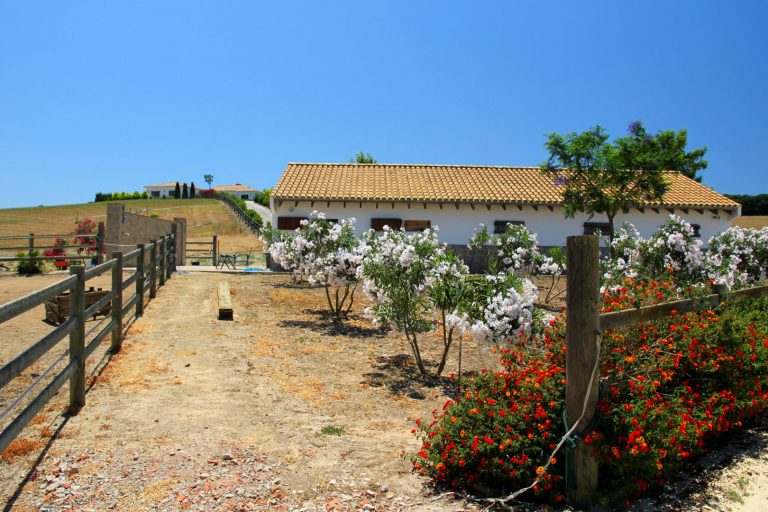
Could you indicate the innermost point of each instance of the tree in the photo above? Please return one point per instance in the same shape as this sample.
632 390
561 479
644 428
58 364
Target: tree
192 190
362 158
185 192
597 176
177 191
208 179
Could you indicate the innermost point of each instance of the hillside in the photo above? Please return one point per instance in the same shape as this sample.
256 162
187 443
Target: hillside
205 217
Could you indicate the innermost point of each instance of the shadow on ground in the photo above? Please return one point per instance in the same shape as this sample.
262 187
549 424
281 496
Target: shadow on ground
400 375
325 325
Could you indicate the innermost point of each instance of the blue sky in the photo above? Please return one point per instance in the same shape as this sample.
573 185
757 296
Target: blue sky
111 96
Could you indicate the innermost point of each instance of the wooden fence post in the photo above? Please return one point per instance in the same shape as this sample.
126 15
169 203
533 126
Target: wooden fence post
77 339
100 243
153 271
117 303
161 251
174 242
31 248
168 256
215 249
583 324
140 281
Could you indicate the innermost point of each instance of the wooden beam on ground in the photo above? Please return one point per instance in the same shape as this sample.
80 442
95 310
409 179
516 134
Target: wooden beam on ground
225 302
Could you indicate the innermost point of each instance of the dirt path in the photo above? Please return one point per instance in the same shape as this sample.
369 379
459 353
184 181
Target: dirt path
321 416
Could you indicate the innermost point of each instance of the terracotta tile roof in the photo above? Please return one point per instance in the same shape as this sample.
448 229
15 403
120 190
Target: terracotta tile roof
237 187
454 184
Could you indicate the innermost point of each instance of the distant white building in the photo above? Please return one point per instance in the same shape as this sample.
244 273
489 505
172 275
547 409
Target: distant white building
459 198
244 192
159 191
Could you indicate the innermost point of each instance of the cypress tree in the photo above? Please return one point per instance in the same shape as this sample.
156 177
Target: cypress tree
192 190
185 192
177 191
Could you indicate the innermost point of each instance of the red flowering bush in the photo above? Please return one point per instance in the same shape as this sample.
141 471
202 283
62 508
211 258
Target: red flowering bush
497 436
58 248
86 227
668 388
672 385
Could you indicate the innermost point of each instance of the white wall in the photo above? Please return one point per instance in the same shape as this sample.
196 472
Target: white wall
457 225
164 191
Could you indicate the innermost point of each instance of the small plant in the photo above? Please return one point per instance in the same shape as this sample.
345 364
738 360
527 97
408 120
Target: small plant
29 263
330 430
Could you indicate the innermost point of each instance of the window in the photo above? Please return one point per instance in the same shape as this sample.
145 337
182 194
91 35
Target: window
590 228
696 230
417 225
289 223
500 225
244 196
155 194
378 224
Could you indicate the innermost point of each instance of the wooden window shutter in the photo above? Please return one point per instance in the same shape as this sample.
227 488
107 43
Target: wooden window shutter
590 228
417 225
289 223
378 224
500 225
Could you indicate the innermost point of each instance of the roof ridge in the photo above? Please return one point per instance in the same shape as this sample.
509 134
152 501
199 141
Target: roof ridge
378 164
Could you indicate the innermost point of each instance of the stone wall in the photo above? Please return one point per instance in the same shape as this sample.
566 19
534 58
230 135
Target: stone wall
125 230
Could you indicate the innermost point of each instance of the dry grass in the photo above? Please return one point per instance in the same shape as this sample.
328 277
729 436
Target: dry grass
205 217
18 448
756 221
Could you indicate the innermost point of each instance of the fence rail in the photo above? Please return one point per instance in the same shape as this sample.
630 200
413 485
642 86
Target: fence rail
210 250
144 278
239 212
585 323
31 246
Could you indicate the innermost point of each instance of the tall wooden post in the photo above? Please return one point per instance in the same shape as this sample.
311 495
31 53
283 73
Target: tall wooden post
168 256
77 338
100 243
153 271
174 245
215 249
31 248
140 281
117 303
583 317
162 261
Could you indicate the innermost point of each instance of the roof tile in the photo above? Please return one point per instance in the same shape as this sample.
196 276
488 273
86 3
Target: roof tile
453 183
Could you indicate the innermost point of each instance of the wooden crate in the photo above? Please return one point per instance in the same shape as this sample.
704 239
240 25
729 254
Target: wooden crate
57 309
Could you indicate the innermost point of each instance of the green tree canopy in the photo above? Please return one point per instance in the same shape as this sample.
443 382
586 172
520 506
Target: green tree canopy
208 179
362 158
600 177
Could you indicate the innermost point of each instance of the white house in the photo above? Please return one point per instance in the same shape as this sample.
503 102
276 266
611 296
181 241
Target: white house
161 190
245 192
459 198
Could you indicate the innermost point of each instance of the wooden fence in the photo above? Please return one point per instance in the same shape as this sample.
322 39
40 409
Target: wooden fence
585 324
154 264
209 250
241 214
30 245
